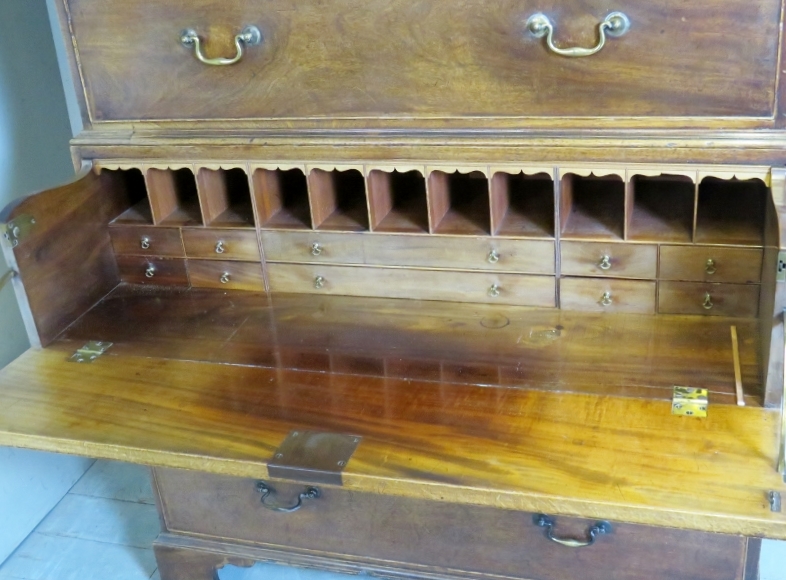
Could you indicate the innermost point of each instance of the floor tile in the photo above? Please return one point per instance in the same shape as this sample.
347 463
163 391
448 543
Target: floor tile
156 575
264 571
117 480
103 520
43 557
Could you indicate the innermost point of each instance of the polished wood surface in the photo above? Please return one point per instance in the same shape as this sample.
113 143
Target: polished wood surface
235 244
607 295
438 535
226 275
738 265
725 299
152 270
625 260
480 62
160 241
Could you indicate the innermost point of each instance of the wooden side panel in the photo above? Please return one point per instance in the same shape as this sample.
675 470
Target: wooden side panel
66 263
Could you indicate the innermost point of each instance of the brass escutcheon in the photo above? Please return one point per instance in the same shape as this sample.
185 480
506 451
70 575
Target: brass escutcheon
605 262
494 290
224 278
145 243
710 267
316 249
319 282
605 300
707 304
220 247
493 257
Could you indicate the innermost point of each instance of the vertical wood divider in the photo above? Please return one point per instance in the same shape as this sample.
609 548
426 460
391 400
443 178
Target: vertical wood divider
557 232
499 199
629 204
252 190
212 193
160 185
695 208
322 195
438 197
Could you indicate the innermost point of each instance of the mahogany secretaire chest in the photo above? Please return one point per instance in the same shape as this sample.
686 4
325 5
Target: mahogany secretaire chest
421 288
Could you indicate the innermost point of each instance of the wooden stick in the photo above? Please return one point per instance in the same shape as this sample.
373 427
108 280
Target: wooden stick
735 349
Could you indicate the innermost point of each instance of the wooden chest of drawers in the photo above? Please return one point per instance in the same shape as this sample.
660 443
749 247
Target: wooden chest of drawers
482 242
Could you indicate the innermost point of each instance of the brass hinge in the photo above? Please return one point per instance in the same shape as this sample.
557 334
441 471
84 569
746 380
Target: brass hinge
90 352
18 228
689 401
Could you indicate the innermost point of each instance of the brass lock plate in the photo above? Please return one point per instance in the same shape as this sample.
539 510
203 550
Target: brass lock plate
690 402
313 457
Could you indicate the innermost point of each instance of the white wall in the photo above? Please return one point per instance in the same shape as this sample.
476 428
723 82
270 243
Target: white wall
34 155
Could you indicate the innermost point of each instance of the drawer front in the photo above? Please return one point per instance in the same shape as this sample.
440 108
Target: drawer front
607 295
710 264
226 244
313 247
724 299
405 59
147 241
488 287
226 275
439 534
149 270
461 253
609 259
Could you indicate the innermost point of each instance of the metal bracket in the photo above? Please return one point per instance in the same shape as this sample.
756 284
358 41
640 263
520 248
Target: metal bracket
780 274
313 457
18 228
774 498
90 352
689 401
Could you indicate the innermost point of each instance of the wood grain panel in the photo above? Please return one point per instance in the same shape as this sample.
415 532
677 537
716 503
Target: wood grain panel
623 295
626 260
299 247
165 271
520 289
235 244
160 241
238 275
726 299
479 62
690 263
437 534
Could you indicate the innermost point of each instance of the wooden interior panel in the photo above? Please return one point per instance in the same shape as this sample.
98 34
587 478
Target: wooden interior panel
300 247
224 197
692 263
173 197
620 295
724 299
147 241
226 275
221 244
150 270
625 260
281 198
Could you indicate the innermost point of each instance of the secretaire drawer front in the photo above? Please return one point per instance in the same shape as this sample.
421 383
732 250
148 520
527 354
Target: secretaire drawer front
449 536
399 58
146 241
709 299
218 244
710 264
607 295
313 247
486 287
609 259
461 253
226 275
152 270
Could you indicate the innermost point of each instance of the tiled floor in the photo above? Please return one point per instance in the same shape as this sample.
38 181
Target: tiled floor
104 527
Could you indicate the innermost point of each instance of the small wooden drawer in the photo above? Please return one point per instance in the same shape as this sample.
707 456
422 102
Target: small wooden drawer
711 299
487 287
481 540
617 260
147 241
307 247
461 253
710 264
221 244
150 270
226 275
607 295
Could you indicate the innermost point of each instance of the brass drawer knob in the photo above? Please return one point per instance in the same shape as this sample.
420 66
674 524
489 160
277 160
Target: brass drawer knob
309 493
249 36
225 277
615 24
494 290
220 249
316 249
605 262
710 267
493 257
145 243
707 304
595 530
319 282
150 271
605 300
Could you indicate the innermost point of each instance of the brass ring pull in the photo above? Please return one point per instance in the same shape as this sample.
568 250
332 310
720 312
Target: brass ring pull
615 24
266 491
593 532
220 249
249 36
494 290
707 304
605 300
150 272
710 267
316 249
605 263
145 243
319 282
224 279
493 257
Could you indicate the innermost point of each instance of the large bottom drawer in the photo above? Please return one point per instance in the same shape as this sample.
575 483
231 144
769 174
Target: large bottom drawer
488 287
439 535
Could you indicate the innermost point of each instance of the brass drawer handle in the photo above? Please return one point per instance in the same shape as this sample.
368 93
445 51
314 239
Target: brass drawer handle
224 279
316 249
220 249
266 491
494 290
249 36
493 257
615 24
319 282
605 300
707 304
150 272
593 532
710 267
145 243
605 262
